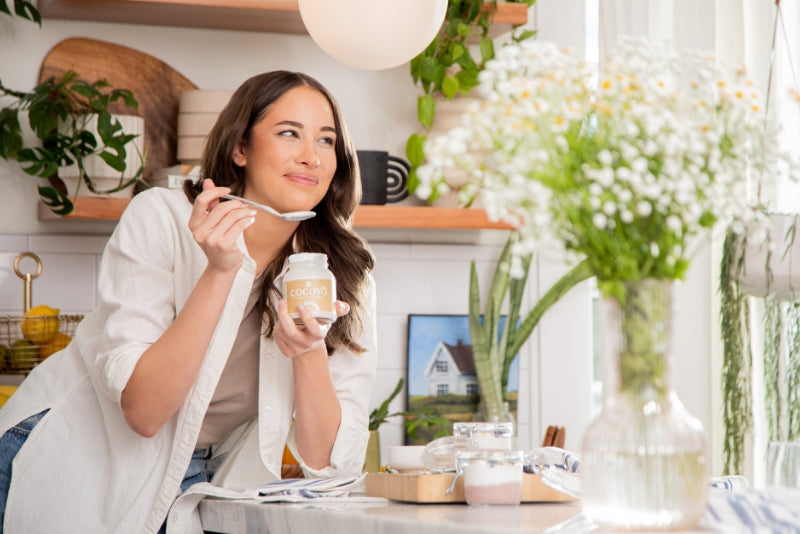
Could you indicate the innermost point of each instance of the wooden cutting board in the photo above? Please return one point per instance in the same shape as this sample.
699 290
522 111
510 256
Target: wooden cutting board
431 488
156 86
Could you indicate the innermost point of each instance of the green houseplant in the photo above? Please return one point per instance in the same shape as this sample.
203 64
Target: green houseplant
58 112
451 63
494 348
412 421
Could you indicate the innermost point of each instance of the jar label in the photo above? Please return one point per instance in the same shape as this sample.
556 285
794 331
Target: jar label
315 294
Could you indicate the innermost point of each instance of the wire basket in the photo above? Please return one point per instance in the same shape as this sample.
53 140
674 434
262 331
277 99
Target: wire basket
26 340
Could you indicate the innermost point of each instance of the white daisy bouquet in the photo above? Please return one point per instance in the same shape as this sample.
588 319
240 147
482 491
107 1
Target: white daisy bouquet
621 169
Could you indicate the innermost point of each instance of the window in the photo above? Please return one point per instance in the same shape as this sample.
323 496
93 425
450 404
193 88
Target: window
441 366
442 389
472 389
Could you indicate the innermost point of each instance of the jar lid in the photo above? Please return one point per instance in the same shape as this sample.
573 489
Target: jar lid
440 454
307 256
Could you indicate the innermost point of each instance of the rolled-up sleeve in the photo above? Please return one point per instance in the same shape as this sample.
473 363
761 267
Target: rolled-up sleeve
136 289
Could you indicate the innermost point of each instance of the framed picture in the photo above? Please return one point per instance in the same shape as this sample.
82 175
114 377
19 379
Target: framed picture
441 374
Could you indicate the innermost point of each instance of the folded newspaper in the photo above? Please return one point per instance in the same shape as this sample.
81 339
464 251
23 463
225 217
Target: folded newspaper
350 489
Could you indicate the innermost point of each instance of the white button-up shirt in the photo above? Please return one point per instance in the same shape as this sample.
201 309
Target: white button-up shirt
83 469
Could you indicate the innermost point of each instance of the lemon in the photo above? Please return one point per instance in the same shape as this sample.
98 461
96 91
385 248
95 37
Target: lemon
40 324
59 342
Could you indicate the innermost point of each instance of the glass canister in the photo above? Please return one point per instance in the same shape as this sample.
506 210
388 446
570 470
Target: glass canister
488 435
309 282
491 477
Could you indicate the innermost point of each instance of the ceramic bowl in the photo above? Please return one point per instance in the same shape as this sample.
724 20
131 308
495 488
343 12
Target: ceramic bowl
406 458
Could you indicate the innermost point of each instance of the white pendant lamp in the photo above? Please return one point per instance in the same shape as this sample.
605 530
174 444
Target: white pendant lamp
373 34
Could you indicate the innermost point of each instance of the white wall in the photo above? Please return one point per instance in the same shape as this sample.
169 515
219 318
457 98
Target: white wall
555 369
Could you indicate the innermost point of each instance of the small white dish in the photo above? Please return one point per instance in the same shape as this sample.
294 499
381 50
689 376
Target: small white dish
406 458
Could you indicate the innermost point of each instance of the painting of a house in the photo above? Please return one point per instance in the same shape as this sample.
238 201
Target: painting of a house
451 369
441 371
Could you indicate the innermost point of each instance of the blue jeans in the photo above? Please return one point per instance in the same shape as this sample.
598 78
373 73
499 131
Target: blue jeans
11 442
198 471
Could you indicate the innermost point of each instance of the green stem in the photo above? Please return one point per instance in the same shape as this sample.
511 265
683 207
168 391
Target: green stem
644 323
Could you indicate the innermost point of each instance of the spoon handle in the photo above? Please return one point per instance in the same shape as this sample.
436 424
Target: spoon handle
251 203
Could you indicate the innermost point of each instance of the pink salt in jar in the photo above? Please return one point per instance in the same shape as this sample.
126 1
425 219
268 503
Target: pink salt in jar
491 477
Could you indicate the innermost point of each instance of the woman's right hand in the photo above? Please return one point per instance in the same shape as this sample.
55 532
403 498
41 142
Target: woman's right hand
217 225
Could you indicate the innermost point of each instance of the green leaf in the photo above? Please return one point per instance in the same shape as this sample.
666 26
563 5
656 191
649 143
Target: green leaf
450 87
431 71
426 107
58 202
24 9
380 414
10 133
415 153
487 50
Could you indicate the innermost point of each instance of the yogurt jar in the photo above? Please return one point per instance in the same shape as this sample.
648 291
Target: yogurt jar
491 477
309 282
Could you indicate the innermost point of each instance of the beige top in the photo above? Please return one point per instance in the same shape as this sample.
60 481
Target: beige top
236 398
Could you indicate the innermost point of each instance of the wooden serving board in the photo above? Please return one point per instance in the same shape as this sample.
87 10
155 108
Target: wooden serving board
429 488
156 86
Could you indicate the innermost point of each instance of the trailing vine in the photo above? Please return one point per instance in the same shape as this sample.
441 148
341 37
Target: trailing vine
737 357
793 372
773 328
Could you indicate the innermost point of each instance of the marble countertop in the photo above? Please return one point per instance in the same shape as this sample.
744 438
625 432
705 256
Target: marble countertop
235 517
244 517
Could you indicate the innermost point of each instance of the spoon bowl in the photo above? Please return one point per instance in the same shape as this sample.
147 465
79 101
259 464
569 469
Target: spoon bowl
294 216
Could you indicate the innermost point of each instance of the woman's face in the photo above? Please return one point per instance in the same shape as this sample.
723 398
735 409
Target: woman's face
290 157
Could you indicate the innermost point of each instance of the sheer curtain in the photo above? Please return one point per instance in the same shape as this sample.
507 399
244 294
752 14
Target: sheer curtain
766 39
749 32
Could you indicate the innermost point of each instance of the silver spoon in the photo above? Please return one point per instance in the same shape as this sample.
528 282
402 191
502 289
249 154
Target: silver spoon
288 216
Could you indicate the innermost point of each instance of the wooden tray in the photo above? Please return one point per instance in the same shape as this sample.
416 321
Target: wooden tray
429 488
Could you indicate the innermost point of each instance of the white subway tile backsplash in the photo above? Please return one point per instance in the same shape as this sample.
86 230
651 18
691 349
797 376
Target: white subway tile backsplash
392 340
73 244
13 242
10 284
67 282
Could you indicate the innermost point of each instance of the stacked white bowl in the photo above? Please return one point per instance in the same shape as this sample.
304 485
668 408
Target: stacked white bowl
197 113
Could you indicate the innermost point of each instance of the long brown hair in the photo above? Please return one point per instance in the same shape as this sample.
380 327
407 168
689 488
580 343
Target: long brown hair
330 232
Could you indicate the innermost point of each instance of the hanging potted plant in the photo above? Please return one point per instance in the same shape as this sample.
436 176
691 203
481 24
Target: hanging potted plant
448 68
76 136
760 263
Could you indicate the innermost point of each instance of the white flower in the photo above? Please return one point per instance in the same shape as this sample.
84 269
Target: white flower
600 221
639 162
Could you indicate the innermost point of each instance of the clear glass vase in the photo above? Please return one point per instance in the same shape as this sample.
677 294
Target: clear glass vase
645 458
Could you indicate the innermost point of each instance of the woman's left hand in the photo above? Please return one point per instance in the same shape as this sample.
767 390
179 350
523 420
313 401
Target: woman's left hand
294 340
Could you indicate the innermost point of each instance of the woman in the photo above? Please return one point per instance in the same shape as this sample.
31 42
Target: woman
191 364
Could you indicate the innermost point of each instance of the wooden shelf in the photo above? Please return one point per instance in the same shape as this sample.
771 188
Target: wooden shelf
280 16
367 216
